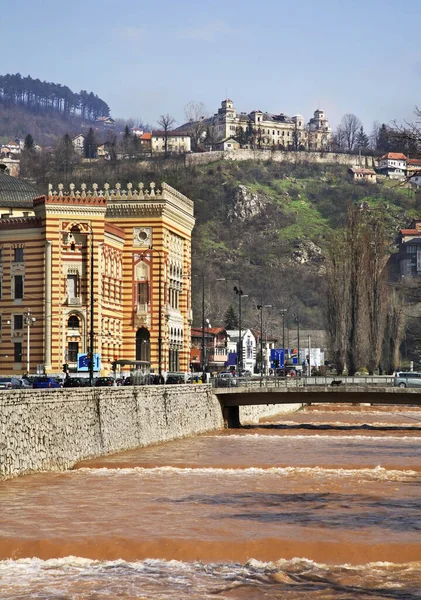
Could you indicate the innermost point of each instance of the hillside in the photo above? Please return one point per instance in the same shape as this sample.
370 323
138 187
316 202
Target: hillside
265 223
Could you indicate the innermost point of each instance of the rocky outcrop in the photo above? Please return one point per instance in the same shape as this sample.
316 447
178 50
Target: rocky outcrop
305 252
247 204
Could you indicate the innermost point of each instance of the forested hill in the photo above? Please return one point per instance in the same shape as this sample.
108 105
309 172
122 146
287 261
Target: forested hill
267 224
43 97
45 110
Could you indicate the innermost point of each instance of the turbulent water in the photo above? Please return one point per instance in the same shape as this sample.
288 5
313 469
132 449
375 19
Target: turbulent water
324 503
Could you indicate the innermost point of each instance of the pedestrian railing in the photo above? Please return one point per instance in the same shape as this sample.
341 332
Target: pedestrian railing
291 382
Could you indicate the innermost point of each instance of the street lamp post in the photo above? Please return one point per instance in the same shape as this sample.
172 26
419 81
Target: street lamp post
283 311
29 321
240 294
261 307
297 320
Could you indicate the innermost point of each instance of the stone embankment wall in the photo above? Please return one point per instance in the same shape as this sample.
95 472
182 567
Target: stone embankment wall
47 430
349 160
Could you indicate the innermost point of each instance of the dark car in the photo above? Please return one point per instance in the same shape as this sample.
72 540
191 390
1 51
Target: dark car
104 382
46 382
175 378
76 382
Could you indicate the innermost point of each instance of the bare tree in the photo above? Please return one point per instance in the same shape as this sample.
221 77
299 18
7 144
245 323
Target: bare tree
166 122
338 140
350 124
357 291
394 332
195 113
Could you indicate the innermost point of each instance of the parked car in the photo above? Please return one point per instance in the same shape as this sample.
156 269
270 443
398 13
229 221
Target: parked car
104 381
76 382
405 379
225 379
175 378
13 383
46 382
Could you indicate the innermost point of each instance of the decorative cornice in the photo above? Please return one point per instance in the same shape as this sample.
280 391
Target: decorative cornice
108 195
20 223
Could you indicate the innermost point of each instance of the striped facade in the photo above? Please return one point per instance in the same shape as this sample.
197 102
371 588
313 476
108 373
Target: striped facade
121 256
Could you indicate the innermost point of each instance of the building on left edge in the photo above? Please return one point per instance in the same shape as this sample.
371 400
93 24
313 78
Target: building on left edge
110 266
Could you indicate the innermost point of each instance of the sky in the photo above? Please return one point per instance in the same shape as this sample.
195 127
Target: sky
148 58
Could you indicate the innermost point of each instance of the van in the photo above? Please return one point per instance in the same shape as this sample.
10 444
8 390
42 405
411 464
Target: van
405 379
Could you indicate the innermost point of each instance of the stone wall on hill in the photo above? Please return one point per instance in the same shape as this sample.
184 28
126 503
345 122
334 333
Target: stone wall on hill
280 156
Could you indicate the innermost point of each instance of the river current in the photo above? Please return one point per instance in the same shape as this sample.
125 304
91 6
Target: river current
324 503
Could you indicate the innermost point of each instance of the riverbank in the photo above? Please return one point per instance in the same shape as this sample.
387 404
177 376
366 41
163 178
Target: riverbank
52 430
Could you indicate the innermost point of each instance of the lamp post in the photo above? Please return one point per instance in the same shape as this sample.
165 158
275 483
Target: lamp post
283 311
261 307
297 320
29 321
91 307
240 294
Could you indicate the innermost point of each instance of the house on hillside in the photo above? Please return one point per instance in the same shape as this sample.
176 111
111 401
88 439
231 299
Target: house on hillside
177 143
78 142
393 165
360 174
409 257
107 121
136 131
413 171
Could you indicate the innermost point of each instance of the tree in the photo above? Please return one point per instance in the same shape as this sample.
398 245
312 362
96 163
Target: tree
357 291
231 318
195 113
65 156
241 136
166 122
362 142
383 140
29 145
350 125
90 144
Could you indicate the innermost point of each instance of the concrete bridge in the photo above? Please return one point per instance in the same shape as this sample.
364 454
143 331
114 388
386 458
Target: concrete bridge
233 397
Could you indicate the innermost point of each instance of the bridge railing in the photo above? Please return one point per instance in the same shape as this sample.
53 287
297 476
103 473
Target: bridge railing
273 382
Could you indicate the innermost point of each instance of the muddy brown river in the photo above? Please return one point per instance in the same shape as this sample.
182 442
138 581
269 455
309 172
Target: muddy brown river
321 504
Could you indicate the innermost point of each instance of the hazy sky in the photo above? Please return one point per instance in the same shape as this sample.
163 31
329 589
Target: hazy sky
148 58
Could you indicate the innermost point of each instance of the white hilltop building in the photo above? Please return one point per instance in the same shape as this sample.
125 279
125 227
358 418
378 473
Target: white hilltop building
265 130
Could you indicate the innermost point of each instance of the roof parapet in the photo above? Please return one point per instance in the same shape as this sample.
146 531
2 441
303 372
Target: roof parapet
119 193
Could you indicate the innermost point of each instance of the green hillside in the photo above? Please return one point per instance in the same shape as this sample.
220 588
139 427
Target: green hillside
271 232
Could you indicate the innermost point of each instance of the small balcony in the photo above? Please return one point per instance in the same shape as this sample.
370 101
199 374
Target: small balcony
74 301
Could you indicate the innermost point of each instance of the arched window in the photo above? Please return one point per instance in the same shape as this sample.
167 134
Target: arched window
73 322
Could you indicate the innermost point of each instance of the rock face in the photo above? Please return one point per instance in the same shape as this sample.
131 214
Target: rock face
306 252
247 204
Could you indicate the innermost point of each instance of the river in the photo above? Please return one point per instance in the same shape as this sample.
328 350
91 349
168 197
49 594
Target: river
324 503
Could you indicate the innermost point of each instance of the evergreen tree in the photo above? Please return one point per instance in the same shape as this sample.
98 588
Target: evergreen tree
90 144
383 140
362 142
29 143
231 318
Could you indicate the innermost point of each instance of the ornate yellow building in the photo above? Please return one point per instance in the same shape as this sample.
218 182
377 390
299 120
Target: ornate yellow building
103 268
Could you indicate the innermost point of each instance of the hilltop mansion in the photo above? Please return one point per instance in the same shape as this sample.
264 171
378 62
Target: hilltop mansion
264 130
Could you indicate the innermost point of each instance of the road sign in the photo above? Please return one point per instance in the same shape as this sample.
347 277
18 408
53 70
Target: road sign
83 363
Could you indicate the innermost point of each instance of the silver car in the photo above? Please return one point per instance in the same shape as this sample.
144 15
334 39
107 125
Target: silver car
405 379
13 383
